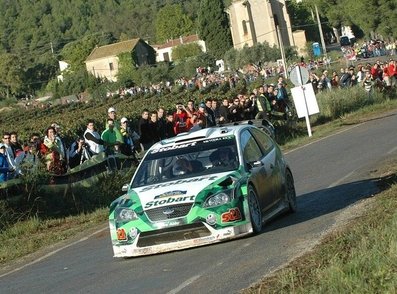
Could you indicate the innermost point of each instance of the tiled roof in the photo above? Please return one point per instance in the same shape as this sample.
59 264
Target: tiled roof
112 49
177 42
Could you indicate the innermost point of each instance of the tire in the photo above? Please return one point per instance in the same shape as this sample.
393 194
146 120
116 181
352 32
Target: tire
255 210
290 194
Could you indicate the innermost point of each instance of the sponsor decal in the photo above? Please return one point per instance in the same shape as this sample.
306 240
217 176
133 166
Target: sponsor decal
170 194
168 201
121 235
218 139
191 180
232 215
227 233
168 224
174 147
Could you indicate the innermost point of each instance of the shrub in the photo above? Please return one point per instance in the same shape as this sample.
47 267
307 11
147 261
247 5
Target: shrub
333 104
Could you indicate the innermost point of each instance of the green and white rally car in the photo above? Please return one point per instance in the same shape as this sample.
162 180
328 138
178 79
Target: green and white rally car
199 188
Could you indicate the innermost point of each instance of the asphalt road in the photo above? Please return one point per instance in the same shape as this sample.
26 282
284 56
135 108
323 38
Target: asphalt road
330 174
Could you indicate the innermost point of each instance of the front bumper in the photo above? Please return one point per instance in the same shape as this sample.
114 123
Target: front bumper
190 239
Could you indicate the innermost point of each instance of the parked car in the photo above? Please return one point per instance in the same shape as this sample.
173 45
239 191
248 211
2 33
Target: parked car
199 188
344 41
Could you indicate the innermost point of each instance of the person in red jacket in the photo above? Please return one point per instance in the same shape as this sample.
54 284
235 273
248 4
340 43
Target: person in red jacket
392 70
180 119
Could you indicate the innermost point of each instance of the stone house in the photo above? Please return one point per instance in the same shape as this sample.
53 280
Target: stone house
103 61
164 51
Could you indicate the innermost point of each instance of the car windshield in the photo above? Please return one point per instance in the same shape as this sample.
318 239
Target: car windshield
185 160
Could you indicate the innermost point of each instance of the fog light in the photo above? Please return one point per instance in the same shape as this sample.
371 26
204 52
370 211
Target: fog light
133 233
211 219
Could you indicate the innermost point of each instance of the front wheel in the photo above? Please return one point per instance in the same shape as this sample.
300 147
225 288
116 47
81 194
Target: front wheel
290 194
255 210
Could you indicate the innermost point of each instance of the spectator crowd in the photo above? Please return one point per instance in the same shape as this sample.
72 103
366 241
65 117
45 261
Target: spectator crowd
128 137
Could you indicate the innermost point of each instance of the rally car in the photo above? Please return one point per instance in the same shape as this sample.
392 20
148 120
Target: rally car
199 188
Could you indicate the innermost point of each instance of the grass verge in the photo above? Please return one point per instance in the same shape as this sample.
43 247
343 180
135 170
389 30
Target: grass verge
359 258
29 236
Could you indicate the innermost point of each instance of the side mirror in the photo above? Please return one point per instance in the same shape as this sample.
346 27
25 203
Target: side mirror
253 164
125 187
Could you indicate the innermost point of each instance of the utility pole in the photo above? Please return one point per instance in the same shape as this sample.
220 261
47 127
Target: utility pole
281 46
320 30
52 48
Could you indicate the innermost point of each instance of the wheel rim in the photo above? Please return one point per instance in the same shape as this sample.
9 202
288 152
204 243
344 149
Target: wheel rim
255 210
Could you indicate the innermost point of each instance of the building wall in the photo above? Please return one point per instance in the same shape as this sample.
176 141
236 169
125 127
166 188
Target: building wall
300 41
104 68
260 23
144 54
162 53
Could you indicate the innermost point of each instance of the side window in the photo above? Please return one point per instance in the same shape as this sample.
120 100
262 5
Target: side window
251 150
264 140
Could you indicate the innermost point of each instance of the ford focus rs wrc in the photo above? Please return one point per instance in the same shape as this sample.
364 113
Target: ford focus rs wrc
200 188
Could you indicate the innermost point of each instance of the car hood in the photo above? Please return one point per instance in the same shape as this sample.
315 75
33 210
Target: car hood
178 191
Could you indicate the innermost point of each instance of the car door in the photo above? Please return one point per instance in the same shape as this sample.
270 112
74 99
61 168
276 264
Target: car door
258 166
273 160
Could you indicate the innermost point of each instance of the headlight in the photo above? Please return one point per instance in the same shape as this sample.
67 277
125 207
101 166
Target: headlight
219 198
125 215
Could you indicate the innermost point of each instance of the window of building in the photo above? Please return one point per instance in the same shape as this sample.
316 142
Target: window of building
245 29
111 65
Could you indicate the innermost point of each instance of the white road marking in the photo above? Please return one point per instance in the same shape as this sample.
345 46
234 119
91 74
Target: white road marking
340 180
52 253
334 134
392 150
184 285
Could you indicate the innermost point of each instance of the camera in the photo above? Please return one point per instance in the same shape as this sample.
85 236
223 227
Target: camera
180 106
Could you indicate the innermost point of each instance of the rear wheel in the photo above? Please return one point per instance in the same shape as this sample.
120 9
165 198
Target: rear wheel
255 210
290 194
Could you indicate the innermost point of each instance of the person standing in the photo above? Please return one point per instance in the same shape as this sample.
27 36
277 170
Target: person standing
154 127
180 119
131 138
93 139
110 138
236 111
15 145
161 122
4 168
262 104
53 155
77 153
215 109
58 131
169 126
116 125
224 111
144 130
211 119
13 166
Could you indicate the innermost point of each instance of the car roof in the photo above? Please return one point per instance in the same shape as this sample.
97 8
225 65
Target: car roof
206 133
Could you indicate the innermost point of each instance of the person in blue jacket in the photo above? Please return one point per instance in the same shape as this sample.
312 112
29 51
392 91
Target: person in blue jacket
4 168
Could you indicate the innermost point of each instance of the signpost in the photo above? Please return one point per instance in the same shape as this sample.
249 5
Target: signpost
303 94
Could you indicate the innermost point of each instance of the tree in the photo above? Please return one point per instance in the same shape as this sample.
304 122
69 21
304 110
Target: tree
214 27
185 51
127 71
257 55
11 74
76 52
301 18
172 23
